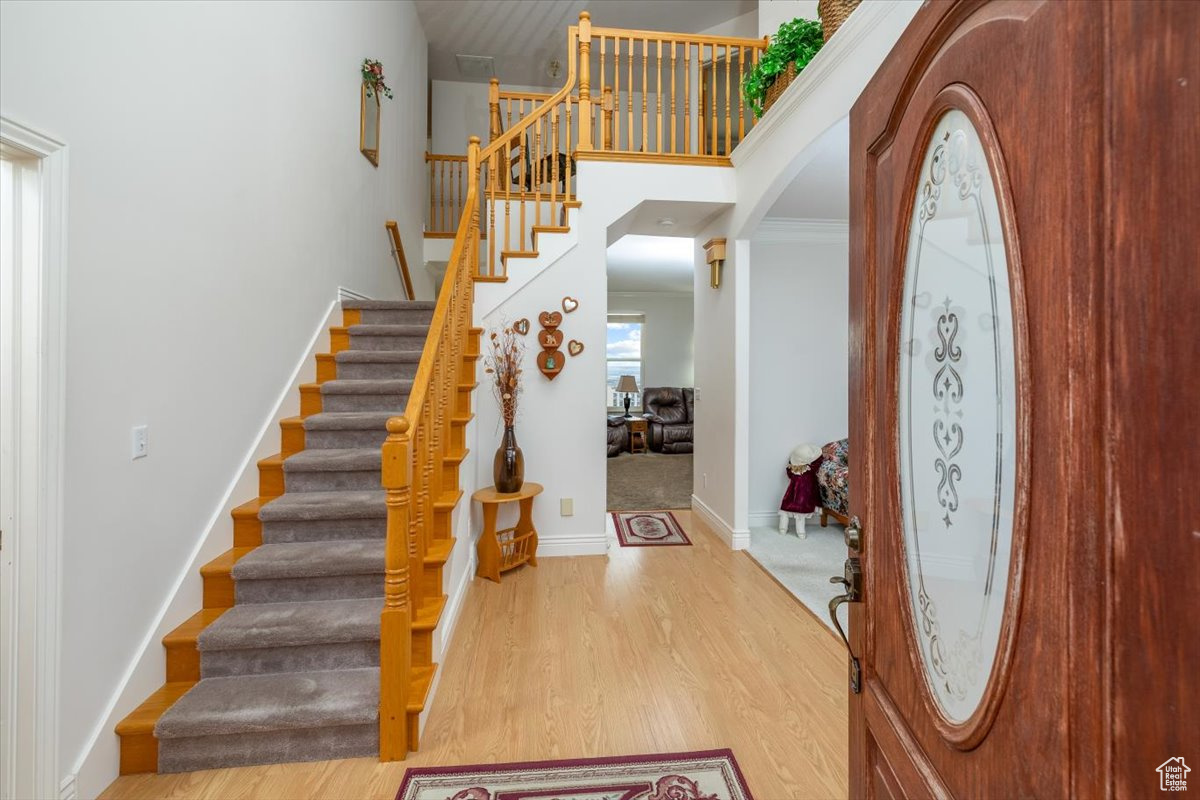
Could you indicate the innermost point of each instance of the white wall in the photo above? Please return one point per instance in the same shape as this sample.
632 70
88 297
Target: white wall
218 199
721 432
460 110
799 312
667 353
773 13
561 423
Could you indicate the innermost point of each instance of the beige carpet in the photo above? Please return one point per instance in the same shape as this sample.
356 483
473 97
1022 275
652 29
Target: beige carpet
649 481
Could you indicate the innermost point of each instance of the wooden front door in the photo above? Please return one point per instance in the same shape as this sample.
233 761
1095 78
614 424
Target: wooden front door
1024 457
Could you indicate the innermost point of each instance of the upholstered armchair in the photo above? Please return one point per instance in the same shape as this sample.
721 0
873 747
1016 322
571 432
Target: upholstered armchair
670 414
618 436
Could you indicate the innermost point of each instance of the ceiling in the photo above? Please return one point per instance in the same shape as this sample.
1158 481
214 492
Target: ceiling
651 264
524 35
822 189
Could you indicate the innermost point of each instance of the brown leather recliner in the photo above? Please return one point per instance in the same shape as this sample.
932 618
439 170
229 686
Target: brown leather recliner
670 413
618 436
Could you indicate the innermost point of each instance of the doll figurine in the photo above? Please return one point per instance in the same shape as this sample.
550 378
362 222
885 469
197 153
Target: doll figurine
803 495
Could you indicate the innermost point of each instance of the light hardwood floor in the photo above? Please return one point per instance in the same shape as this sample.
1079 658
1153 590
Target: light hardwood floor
650 650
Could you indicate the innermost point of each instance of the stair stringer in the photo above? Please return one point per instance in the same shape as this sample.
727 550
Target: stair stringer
551 247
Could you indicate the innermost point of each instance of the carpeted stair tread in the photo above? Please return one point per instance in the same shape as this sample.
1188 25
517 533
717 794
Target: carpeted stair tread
379 329
257 625
340 460
300 506
396 387
312 560
378 357
348 421
272 702
388 305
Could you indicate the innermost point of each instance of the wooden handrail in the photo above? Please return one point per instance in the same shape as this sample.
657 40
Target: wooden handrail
419 444
393 230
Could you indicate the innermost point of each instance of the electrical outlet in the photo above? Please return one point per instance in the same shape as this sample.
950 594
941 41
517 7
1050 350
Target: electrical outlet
566 506
695 394
141 442
705 476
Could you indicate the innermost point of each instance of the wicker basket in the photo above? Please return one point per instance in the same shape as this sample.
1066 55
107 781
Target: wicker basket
833 13
781 82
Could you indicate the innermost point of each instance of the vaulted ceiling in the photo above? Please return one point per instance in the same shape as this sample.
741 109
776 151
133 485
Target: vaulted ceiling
523 36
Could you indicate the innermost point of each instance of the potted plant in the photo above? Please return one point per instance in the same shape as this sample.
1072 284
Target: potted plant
503 364
791 48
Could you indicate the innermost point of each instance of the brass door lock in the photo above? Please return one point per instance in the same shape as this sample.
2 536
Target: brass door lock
851 579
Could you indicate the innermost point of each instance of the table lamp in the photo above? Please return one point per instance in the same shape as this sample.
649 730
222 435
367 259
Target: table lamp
628 385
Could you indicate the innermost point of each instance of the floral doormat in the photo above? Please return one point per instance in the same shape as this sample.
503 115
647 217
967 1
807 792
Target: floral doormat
707 775
645 528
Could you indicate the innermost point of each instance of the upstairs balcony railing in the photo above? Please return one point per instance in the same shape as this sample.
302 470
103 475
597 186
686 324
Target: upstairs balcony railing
630 95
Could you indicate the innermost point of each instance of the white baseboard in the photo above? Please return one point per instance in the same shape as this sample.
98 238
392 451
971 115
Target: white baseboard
445 634
553 547
67 790
763 519
97 765
350 294
737 540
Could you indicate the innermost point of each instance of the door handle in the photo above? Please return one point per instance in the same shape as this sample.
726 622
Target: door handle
851 579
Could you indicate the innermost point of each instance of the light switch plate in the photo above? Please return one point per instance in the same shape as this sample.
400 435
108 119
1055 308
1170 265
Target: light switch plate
566 506
141 442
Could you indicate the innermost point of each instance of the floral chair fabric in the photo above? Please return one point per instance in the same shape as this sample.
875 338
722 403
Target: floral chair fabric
833 476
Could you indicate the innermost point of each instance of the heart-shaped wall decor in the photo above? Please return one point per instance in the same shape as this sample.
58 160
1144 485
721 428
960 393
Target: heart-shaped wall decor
550 339
550 319
550 362
574 347
570 304
521 326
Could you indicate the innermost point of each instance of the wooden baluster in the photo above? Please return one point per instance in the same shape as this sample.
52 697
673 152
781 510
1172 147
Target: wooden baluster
460 205
603 87
741 100
494 125
728 105
687 83
629 96
553 162
616 140
645 98
712 49
521 160
658 103
492 213
674 114
473 175
585 84
507 195
536 170
566 178
607 125
395 623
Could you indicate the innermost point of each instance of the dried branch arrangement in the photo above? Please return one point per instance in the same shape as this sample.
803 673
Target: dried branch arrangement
503 363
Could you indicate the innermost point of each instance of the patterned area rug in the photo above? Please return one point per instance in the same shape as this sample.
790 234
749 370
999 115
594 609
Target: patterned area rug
646 528
707 775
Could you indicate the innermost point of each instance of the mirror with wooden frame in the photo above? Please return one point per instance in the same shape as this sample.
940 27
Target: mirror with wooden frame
368 136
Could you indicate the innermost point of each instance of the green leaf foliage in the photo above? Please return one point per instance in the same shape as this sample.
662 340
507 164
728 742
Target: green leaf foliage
796 41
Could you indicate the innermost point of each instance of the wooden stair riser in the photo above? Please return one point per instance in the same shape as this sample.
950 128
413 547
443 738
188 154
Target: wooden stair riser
339 339
422 648
310 399
326 367
351 316
270 476
247 528
431 581
291 436
218 578
462 399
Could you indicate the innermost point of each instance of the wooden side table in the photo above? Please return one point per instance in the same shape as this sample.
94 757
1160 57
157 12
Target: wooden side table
638 429
500 551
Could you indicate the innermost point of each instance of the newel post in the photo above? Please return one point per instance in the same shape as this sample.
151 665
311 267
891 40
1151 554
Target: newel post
495 123
473 172
585 81
395 628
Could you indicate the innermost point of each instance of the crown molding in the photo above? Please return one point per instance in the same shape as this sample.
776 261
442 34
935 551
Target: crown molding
779 230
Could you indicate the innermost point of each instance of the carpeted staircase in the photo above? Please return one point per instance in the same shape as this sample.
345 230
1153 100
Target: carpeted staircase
291 671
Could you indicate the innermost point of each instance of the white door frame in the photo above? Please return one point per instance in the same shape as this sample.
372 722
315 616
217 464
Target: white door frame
36 328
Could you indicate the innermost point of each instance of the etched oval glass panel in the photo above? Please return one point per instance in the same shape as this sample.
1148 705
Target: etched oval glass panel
957 417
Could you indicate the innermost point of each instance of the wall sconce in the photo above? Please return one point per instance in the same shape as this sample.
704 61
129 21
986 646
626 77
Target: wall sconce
714 249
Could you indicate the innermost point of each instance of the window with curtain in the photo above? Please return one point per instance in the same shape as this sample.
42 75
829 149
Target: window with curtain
624 350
